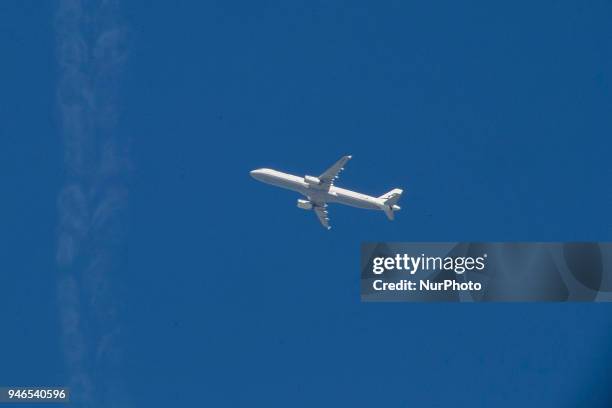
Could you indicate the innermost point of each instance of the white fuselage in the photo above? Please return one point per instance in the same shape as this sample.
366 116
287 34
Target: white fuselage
316 193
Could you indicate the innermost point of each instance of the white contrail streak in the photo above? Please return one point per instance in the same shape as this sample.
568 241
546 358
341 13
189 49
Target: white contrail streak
93 200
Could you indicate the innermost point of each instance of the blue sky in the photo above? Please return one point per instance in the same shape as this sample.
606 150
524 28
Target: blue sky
218 290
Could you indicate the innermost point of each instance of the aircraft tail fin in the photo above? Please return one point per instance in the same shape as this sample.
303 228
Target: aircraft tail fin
392 197
390 200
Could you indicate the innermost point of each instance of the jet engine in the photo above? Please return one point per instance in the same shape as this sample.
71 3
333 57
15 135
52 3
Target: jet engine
311 180
304 204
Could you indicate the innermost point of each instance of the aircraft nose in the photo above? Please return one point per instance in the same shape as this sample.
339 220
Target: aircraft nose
256 174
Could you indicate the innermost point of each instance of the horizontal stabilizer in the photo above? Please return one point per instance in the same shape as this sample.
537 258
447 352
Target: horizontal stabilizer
389 212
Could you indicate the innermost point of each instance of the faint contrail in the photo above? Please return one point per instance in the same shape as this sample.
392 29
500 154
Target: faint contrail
93 200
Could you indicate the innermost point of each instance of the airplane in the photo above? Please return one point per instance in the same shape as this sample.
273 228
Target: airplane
321 190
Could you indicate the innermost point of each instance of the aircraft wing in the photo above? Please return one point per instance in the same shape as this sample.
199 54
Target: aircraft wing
321 211
332 173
